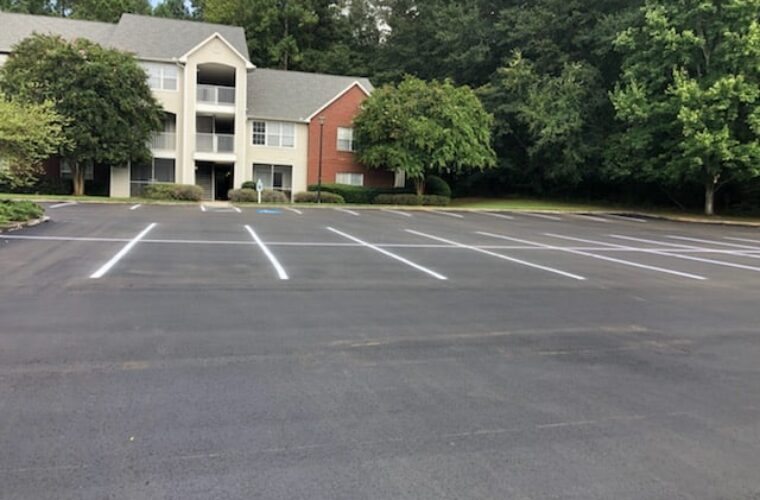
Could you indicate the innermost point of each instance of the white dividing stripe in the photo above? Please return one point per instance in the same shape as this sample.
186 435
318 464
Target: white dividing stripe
713 242
135 207
294 210
500 216
236 209
61 205
397 212
600 257
691 257
540 216
498 255
347 211
280 270
124 251
743 239
594 218
390 254
626 218
449 214
203 207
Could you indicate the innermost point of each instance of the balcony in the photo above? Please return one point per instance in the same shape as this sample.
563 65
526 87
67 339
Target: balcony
214 143
165 141
215 95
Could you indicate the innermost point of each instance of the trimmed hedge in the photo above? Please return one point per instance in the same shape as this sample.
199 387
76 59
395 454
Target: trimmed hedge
436 186
357 194
249 185
311 197
411 199
19 211
247 195
168 191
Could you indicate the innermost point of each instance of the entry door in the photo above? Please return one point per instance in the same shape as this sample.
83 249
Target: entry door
204 178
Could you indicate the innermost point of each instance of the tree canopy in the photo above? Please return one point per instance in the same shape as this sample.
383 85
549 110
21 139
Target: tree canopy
102 94
422 128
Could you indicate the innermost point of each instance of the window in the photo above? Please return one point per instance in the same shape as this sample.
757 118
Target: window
349 178
161 76
277 177
274 134
345 139
159 170
89 171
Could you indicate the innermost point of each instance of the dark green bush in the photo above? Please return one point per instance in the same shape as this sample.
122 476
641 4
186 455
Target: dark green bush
247 195
357 194
411 199
19 211
436 186
168 191
249 185
311 197
433 200
398 199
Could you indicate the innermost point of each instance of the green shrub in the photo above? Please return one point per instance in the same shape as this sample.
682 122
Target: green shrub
398 199
168 191
247 195
436 186
432 200
360 195
249 185
311 197
19 211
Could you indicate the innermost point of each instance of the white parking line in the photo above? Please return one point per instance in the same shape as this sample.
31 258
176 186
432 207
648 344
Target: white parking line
280 270
124 251
498 255
347 211
295 210
236 209
594 218
203 207
135 207
743 239
599 257
390 254
713 242
500 216
397 212
541 216
61 205
663 252
627 218
449 214
691 257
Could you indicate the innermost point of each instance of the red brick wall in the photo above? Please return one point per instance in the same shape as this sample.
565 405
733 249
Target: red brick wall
340 113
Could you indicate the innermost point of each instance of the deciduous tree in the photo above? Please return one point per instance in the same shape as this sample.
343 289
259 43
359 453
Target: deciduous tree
102 93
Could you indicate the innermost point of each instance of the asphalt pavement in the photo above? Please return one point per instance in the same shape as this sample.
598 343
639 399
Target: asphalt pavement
183 352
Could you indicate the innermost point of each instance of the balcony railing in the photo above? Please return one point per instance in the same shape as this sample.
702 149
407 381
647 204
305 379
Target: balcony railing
215 94
214 143
163 140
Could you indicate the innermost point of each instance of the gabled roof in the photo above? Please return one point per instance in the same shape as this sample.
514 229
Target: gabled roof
161 38
295 95
145 36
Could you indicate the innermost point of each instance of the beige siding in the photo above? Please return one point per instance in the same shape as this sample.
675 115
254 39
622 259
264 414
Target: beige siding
296 157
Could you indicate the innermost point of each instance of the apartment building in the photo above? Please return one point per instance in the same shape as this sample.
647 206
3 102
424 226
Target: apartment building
226 122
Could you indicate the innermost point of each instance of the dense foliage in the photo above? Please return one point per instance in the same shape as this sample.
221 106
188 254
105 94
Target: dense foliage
649 99
19 211
102 94
170 191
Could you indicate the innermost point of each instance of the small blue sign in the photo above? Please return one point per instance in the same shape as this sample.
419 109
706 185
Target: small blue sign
268 211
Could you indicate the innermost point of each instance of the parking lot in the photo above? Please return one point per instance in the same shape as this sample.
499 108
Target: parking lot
222 352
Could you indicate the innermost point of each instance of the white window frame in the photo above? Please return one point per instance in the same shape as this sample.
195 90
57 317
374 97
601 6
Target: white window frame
349 178
160 70
273 134
345 134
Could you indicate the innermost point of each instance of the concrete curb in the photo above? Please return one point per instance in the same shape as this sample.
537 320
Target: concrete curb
15 226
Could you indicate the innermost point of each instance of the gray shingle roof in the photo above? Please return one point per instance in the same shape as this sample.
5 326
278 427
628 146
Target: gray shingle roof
16 27
145 36
294 95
